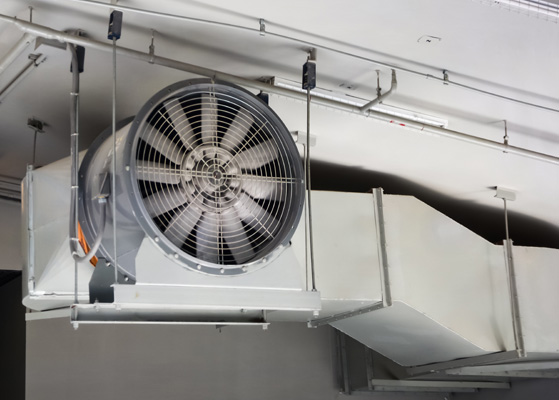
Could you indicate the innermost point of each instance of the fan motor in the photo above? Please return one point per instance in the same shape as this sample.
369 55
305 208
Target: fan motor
207 171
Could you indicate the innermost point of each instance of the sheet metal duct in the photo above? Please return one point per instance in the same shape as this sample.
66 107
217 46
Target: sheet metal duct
391 272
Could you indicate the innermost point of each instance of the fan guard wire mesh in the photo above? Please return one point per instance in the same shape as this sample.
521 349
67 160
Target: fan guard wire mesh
219 175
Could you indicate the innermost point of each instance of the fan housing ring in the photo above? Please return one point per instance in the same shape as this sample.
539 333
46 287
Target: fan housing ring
214 177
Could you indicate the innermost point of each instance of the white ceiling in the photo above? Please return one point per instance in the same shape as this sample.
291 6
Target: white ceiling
483 44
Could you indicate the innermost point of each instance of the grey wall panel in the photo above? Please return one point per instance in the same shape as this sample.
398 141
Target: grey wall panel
10 236
289 361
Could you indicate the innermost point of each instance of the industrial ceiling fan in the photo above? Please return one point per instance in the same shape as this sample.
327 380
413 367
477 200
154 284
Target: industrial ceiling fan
208 171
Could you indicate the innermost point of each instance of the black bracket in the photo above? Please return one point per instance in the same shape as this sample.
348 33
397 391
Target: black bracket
101 284
265 97
115 25
309 75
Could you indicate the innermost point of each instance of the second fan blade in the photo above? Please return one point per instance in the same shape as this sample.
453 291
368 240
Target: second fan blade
180 122
163 144
164 200
208 241
254 215
182 225
209 119
257 156
236 238
156 172
237 131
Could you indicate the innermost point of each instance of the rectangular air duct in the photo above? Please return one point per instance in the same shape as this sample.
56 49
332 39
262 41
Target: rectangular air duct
391 272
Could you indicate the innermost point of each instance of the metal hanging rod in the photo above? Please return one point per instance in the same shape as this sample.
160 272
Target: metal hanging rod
261 30
49 33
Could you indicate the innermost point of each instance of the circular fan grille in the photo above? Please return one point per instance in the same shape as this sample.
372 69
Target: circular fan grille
219 175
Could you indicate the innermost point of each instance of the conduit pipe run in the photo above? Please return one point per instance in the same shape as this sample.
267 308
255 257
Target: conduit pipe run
380 98
262 31
34 61
49 33
15 51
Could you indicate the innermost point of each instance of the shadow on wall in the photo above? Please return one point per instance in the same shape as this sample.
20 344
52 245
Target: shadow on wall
12 336
487 222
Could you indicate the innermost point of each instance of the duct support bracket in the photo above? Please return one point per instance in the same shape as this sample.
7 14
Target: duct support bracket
393 385
338 317
300 137
341 358
515 306
536 369
384 270
426 369
381 97
382 247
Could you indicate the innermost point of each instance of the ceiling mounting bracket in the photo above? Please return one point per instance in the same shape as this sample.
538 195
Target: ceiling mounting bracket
152 47
379 89
262 24
445 77
36 125
506 137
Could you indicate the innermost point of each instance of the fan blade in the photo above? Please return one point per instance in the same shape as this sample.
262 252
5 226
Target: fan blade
255 216
164 145
180 122
236 238
156 172
207 238
209 119
165 200
182 225
237 131
260 188
257 156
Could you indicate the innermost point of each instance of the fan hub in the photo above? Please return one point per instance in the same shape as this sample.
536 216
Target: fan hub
217 176
209 173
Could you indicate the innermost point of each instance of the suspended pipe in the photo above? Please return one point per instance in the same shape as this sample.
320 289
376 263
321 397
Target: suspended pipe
29 67
380 98
262 32
15 51
49 33
74 155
